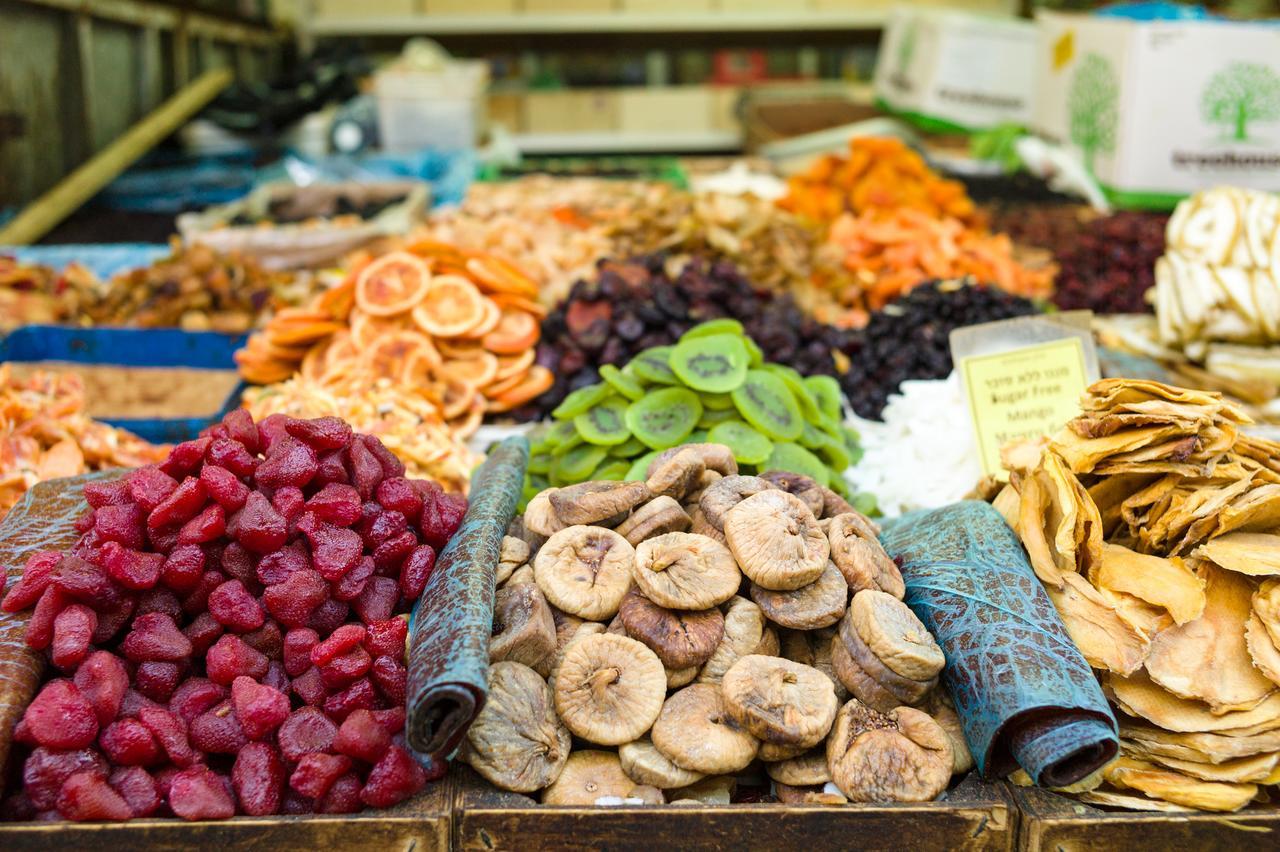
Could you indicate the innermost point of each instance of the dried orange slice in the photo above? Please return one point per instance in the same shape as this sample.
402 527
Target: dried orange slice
497 277
313 362
459 347
498 387
466 426
538 381
337 301
420 369
492 313
451 306
455 396
476 372
514 365
299 332
366 330
519 303
386 358
392 284
342 349
516 332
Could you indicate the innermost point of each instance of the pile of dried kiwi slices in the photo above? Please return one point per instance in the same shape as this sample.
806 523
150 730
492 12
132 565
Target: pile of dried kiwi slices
713 385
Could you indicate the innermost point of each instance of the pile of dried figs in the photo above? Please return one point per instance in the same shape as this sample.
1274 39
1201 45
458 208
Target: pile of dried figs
699 635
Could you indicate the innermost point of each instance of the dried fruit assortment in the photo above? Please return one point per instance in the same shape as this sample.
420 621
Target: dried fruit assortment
1153 521
1111 265
45 434
35 294
459 327
712 385
227 637
881 175
879 362
628 307
656 638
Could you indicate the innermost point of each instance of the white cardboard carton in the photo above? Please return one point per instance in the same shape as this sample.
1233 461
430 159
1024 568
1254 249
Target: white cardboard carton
947 69
1161 109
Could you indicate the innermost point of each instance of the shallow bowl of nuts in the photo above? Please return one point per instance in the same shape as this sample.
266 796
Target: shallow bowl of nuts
703 637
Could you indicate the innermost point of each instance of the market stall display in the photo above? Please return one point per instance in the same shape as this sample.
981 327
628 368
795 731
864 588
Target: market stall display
626 307
1110 265
227 633
1152 522
713 385
32 293
45 434
616 625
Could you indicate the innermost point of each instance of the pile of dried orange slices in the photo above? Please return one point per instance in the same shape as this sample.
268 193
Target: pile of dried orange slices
458 327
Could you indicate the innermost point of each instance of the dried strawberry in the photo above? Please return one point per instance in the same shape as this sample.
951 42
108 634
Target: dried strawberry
240 427
179 507
136 786
185 458
258 778
334 551
358 696
306 730
183 568
232 456
157 680
159 600
37 574
346 638
132 569
288 462
363 469
309 687
234 608
297 650
114 493
45 771
87 582
343 796
239 564
258 526
170 732
329 616
416 570
332 468
293 601
389 555
387 525
128 742
394 778
271 429
267 639
391 466
111 620
289 502
60 717
396 493
155 637
230 657
210 524
261 709
218 730
194 696
321 434
123 523
276 677
316 773
378 601
387 637
72 629
353 583
391 678
203 631
345 668
39 631
197 600
337 504
276 567
198 793
86 796
103 679
361 737
223 485
392 719
149 486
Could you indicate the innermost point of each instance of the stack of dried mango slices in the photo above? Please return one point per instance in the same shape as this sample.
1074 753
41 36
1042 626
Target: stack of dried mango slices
1154 523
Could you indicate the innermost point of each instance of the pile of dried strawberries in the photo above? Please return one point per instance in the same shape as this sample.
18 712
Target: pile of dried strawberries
224 637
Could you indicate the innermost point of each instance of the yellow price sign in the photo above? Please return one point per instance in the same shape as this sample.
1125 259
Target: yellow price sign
1023 393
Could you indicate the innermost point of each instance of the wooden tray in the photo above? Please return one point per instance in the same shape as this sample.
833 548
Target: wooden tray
1053 822
975 816
420 824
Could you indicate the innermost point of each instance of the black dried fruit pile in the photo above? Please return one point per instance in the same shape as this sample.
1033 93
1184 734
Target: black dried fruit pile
1111 264
633 305
910 338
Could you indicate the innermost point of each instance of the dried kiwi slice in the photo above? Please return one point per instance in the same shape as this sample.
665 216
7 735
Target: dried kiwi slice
765 401
639 470
654 365
723 325
614 471
748 445
797 459
539 463
826 392
582 399
712 418
795 382
558 434
604 424
567 444
621 382
627 449
577 465
665 417
754 354
716 363
717 401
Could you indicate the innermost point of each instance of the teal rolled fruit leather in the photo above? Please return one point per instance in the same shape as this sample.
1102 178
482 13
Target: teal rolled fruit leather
1023 691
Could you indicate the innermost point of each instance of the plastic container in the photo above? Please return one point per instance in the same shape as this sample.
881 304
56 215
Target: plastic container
441 110
134 347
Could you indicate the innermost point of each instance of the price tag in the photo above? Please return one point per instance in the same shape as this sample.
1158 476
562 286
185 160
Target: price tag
1023 393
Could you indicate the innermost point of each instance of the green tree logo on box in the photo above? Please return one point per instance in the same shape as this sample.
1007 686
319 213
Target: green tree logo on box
907 47
1092 105
1241 93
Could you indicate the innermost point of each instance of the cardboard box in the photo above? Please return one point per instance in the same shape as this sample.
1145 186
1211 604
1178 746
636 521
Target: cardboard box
470 7
571 111
568 7
665 109
952 71
346 9
1158 110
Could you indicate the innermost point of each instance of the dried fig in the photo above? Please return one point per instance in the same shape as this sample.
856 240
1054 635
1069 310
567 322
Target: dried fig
581 631
942 711
904 690
680 638
677 678
514 550
695 731
700 525
523 574
593 502
860 684
716 457
769 646
503 571
523 630
894 634
794 646
517 742
779 701
685 571
716 790
743 630
775 752
674 472
660 515
833 504
776 540
616 627
589 776
585 571
804 487
899 756
857 553
644 764
823 642
727 493
609 689
807 769
647 794
518 529
819 604
540 517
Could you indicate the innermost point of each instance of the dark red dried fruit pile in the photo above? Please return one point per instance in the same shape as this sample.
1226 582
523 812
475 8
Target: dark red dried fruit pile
633 305
1111 264
225 636
911 338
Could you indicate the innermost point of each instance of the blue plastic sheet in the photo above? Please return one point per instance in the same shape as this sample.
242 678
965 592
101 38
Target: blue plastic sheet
103 260
1023 691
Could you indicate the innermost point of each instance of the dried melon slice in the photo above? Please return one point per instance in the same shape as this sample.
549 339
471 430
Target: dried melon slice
1243 770
1263 651
1166 583
1178 788
1138 695
1106 639
1200 747
1254 554
1207 659
1110 799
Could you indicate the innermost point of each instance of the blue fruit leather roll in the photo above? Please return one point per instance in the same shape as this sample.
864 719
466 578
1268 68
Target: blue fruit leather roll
1024 693
452 621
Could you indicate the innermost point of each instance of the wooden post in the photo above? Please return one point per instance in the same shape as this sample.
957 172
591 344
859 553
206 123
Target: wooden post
75 189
